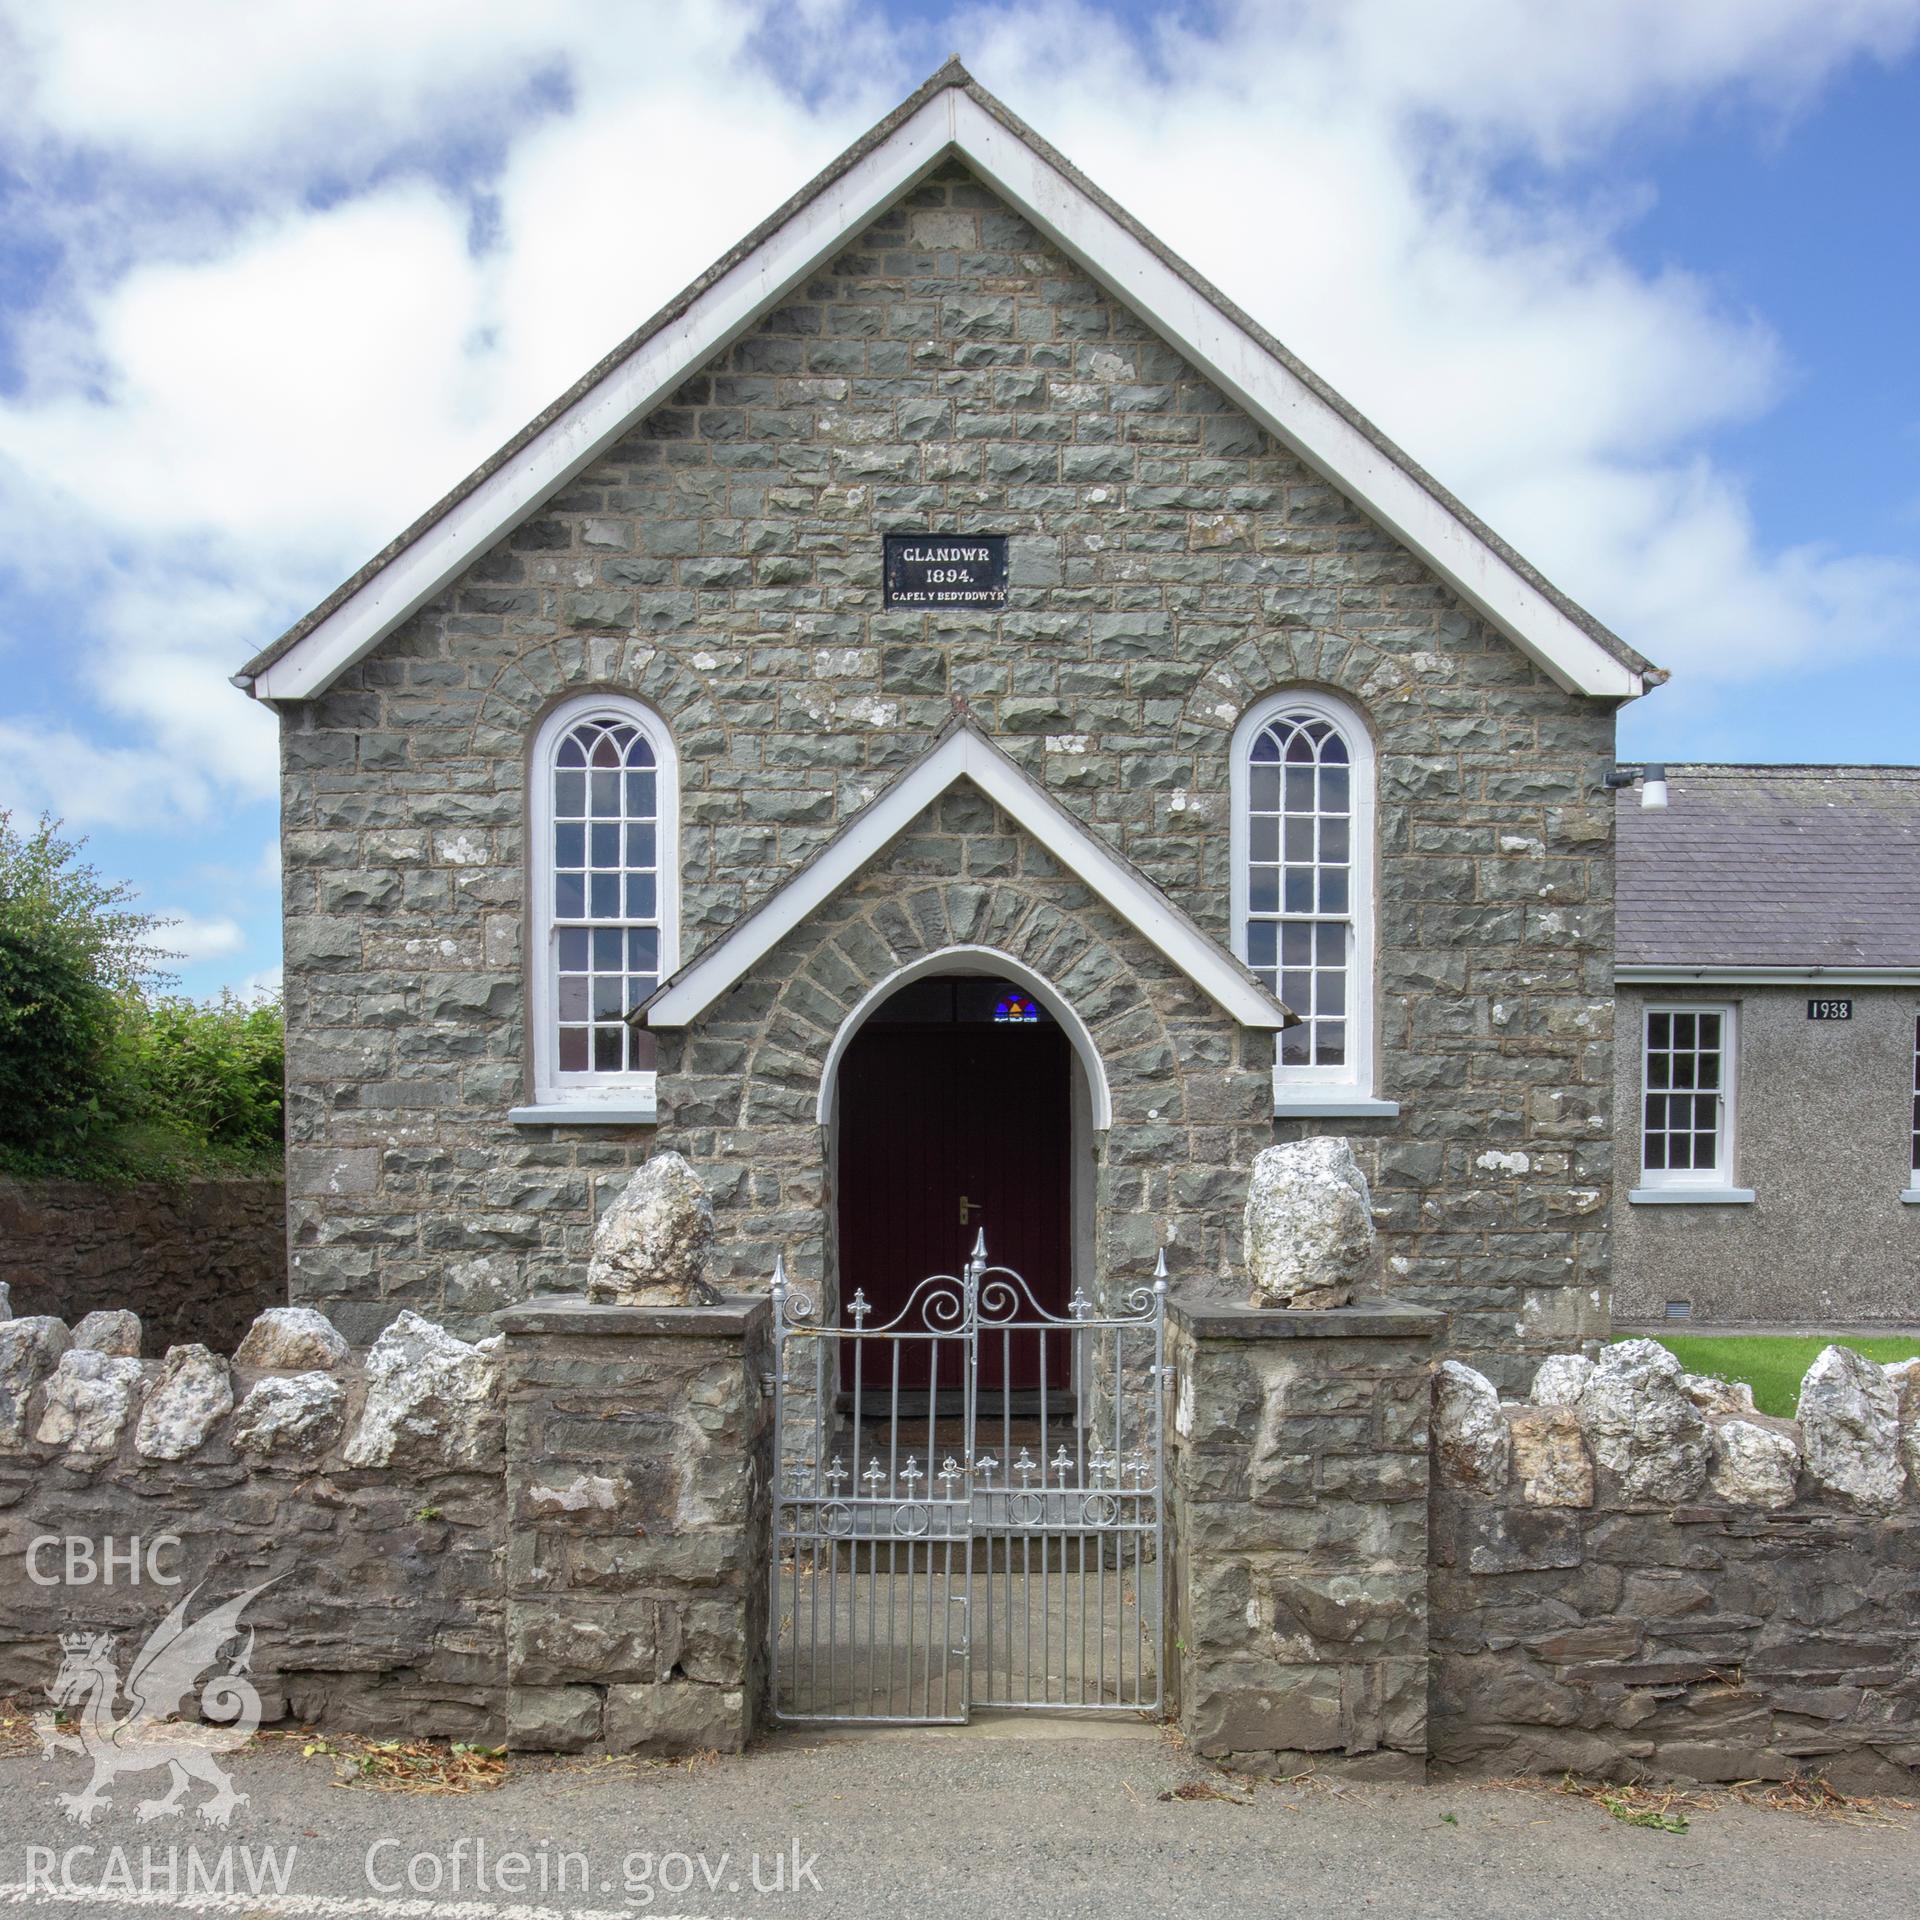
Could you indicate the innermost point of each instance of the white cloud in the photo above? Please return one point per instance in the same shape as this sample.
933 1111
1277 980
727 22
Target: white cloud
267 984
275 339
47 766
191 939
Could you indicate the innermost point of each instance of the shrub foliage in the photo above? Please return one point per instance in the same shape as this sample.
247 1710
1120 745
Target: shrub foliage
212 1073
102 1074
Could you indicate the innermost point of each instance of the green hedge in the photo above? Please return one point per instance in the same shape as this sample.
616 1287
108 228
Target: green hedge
211 1074
103 1075
58 1029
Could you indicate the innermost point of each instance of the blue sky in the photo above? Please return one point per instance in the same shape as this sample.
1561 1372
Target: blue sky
1636 281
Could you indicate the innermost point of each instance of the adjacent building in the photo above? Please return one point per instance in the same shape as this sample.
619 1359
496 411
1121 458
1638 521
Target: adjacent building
1767 1029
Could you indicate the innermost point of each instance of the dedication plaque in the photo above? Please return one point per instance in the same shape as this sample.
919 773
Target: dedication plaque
946 570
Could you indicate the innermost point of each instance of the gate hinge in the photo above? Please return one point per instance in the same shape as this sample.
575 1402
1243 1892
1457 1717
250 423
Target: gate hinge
1166 1373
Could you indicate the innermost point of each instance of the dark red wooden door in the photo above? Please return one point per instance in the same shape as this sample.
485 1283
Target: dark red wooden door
932 1115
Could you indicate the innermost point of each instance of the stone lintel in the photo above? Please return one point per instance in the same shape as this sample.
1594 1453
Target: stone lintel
1380 1319
737 1316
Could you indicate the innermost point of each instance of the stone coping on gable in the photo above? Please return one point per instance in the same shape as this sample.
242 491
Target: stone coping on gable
1379 1319
734 1316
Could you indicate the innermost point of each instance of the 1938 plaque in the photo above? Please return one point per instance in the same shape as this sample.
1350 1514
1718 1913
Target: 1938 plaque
945 570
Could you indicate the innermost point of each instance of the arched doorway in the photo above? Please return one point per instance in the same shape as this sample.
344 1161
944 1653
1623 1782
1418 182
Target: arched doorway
935 1549
960 1105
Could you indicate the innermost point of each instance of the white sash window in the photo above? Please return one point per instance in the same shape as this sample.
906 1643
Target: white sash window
603 868
1303 806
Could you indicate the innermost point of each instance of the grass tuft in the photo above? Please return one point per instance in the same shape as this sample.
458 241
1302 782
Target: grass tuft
1773 1364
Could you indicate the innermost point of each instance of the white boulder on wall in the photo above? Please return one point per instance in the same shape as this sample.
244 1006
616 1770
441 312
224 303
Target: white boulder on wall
1849 1420
1308 1230
650 1248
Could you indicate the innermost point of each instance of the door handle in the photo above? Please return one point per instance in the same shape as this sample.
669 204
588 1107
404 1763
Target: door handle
967 1208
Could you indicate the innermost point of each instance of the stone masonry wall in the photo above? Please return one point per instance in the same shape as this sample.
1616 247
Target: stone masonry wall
554 1537
1298 1463
637 1494
1190 1088
1636 1576
197 1262
367 1490
1171 565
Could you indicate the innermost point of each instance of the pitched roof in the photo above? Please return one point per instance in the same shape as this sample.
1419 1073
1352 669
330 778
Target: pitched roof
963 752
1772 867
951 114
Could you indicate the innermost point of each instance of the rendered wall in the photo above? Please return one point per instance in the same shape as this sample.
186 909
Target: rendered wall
1824 1120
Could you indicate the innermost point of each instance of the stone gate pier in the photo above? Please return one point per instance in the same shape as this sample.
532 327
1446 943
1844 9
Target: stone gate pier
636 1567
1299 1465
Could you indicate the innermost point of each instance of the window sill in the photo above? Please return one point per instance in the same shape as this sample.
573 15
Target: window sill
1690 1197
1911 1198
641 1111
1296 1103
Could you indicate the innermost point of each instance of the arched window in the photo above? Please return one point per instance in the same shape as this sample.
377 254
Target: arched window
1303 884
603 872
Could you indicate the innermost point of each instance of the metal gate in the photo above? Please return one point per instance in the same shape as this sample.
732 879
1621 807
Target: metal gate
940 1546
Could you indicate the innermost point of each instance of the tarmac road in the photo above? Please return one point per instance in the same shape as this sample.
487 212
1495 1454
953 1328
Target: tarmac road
1007 1818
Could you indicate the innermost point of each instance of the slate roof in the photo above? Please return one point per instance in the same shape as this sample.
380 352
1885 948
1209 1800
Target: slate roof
1772 867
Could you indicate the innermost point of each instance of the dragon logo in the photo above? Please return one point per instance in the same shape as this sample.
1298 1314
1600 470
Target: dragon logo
159 1684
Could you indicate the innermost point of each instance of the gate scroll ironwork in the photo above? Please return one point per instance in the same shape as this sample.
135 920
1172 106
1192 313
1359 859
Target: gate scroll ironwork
937 1547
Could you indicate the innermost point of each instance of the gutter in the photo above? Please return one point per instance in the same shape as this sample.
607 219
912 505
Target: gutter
1668 974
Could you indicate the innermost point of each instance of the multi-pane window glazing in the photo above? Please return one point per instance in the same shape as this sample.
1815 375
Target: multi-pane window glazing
606 892
1684 1098
1300 880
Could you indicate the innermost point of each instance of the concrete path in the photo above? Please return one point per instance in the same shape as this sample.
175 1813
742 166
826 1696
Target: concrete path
1001 1821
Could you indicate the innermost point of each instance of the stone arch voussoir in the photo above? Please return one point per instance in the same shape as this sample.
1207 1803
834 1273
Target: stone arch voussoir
552 668
1390 689
858 941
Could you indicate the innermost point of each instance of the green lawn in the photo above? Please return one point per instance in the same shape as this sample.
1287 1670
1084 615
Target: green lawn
1772 1364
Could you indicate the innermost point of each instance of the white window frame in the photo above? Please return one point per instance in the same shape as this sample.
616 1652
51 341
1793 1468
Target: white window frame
1349 1088
1911 1194
1716 1180
628 1094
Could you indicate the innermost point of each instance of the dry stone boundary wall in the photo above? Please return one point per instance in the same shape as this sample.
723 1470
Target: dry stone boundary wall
367 1488
556 1536
1634 1573
530 1537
